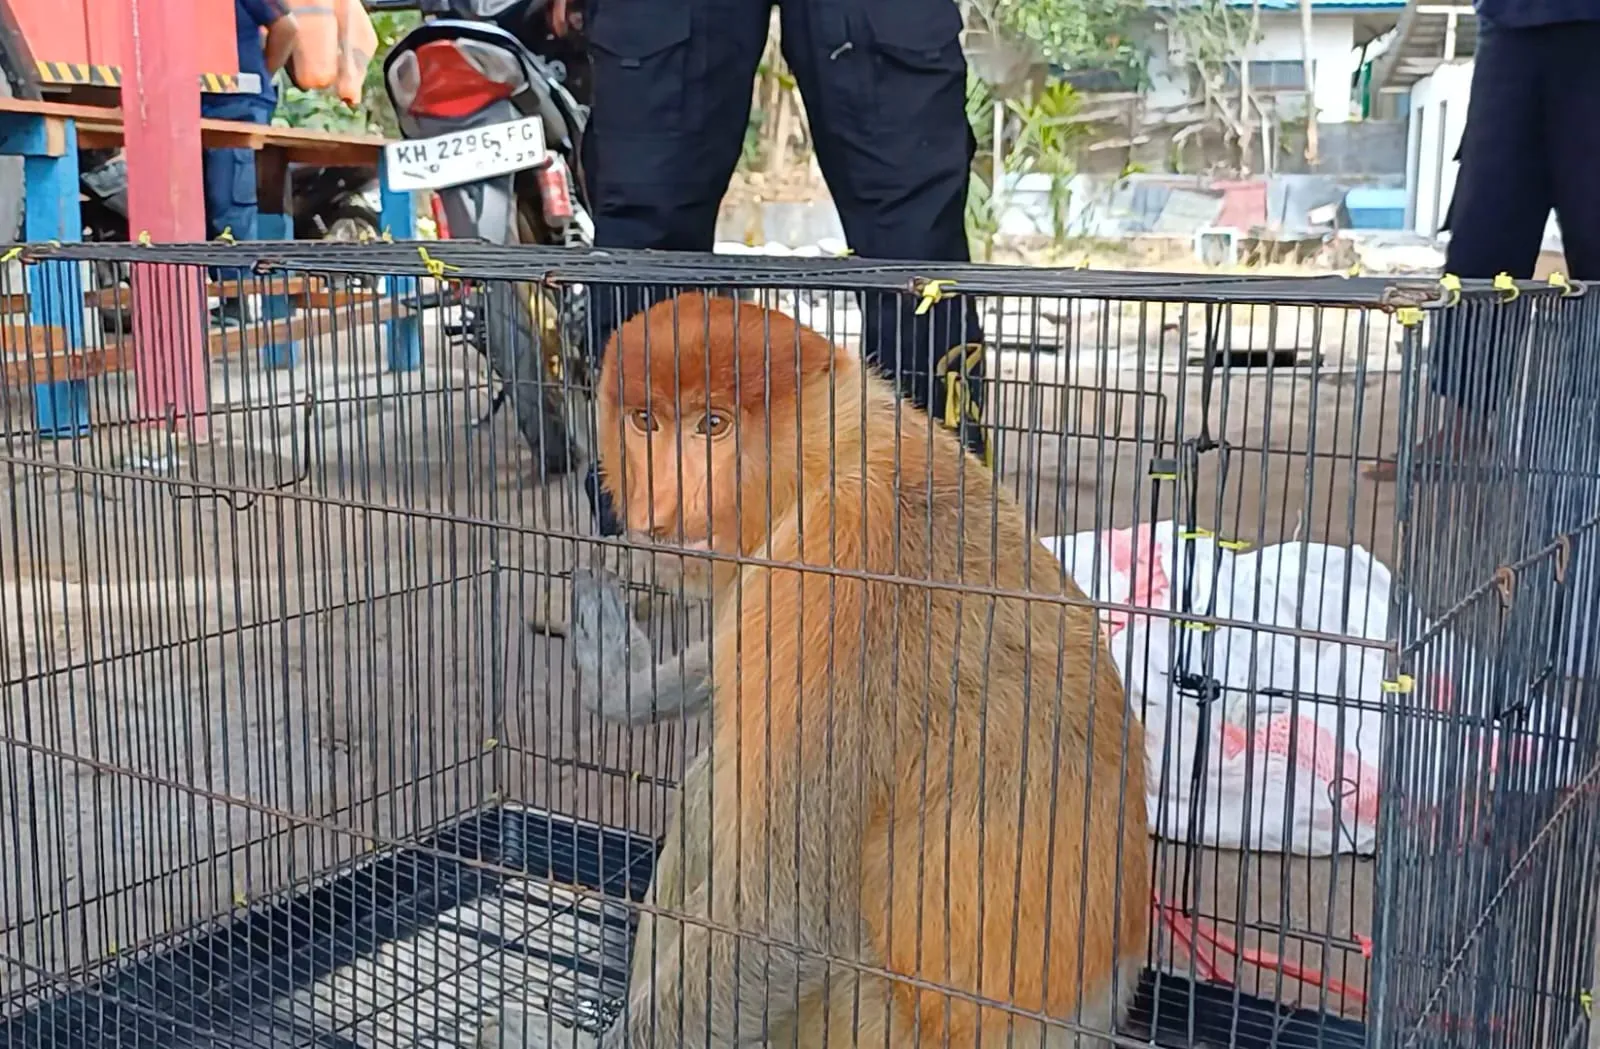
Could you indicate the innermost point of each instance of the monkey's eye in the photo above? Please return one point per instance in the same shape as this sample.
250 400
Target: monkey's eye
644 420
713 424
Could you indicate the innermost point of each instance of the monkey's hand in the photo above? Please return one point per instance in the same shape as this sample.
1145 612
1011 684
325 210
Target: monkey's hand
618 677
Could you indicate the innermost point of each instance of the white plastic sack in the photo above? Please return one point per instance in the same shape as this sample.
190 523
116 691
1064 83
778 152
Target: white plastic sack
1288 767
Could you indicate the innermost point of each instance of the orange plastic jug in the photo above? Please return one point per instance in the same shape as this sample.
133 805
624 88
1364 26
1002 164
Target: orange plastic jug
358 43
314 65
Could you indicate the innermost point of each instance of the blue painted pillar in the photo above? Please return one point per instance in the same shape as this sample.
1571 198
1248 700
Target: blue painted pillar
49 147
275 221
276 305
404 330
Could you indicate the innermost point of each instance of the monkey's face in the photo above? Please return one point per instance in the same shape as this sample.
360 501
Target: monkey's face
697 406
678 478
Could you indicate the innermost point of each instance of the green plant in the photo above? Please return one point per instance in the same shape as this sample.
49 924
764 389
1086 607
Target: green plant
753 153
983 220
325 111
1048 142
1079 34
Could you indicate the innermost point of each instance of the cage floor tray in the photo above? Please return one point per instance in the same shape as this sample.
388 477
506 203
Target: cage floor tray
413 947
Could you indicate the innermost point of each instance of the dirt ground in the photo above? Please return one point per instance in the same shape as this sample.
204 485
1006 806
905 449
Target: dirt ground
230 666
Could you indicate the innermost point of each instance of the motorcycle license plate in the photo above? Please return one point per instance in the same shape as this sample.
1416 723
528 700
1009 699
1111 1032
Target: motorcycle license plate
464 156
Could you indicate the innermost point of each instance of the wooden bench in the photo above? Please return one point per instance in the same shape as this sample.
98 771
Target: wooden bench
100 127
43 337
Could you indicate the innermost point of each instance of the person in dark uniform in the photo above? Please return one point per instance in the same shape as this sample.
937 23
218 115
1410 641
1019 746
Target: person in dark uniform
884 87
1531 144
265 35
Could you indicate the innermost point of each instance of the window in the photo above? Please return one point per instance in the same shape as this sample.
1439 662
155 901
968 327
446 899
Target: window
1271 76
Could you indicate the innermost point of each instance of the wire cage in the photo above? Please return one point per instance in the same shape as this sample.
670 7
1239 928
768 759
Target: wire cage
293 754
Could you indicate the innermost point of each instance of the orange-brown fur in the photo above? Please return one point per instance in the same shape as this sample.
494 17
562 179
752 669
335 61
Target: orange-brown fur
836 719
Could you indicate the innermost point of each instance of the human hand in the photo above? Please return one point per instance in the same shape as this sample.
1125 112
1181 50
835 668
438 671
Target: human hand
557 12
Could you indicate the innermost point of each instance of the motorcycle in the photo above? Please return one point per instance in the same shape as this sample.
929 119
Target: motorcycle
327 203
492 108
331 203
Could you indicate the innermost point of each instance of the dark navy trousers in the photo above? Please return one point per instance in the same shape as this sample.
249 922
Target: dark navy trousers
229 175
1531 144
884 87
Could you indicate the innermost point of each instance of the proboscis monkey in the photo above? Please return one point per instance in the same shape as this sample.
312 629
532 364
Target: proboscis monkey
942 786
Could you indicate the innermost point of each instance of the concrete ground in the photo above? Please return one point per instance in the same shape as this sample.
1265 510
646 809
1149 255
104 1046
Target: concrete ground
229 666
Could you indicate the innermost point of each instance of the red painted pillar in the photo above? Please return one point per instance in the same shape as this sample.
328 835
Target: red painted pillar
161 117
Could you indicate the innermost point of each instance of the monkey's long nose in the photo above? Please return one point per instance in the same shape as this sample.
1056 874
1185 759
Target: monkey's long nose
652 519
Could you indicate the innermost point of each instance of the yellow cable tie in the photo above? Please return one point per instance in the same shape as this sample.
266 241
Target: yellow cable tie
145 239
1559 280
490 743
1586 999
1201 627
1196 533
1452 286
1236 545
1353 271
226 236
932 292
387 238
435 267
1504 283
14 253
1408 316
240 899
1401 685
1163 476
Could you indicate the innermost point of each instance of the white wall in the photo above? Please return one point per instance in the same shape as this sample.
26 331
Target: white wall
1438 115
1439 108
1333 50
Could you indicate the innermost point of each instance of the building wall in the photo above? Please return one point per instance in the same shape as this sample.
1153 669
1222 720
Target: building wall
1333 53
1438 115
1437 118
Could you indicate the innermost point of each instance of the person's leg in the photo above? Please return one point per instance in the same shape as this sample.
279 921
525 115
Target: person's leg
672 82
884 84
1572 127
1502 198
229 181
1497 217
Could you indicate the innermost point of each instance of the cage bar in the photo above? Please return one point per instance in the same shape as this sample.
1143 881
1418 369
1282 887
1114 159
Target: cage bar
296 747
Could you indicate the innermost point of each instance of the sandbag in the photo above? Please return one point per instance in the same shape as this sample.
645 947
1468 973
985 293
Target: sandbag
1285 754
